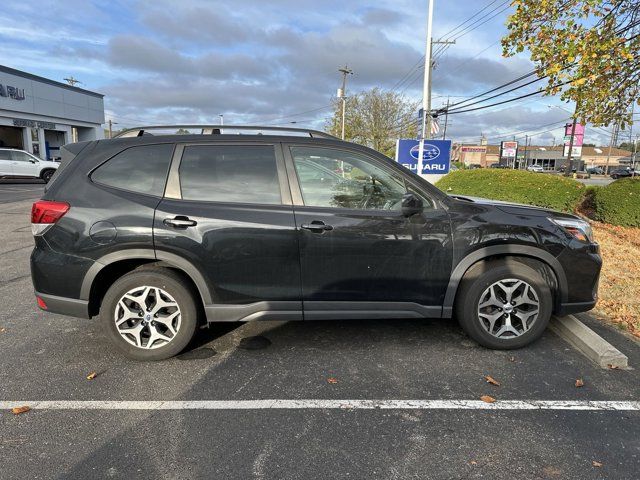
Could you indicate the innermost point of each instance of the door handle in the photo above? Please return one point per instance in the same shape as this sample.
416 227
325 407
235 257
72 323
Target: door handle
180 222
317 226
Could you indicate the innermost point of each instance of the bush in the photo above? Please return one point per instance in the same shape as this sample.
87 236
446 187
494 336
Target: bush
543 190
618 203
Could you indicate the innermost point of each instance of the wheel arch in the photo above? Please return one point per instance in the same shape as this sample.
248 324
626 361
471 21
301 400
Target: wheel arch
112 266
506 251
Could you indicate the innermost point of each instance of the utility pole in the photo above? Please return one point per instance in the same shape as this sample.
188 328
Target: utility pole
342 94
567 171
633 157
614 135
111 124
526 151
426 92
446 120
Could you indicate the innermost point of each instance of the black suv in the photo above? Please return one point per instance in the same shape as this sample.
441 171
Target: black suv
158 234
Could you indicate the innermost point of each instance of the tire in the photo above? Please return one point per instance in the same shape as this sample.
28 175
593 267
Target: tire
149 339
46 175
502 275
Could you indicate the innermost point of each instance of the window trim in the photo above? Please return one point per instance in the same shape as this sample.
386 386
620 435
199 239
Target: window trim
173 189
296 191
120 189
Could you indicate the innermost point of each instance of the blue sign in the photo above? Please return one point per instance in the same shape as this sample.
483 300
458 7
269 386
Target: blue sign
435 155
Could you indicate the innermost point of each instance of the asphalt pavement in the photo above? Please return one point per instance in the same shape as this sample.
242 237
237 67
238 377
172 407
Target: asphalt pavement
46 357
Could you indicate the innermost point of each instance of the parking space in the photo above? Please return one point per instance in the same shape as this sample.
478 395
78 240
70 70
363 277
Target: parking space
47 358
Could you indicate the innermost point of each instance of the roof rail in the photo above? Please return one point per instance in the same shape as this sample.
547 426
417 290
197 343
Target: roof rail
218 130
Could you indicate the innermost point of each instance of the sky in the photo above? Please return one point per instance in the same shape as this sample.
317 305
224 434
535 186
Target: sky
276 62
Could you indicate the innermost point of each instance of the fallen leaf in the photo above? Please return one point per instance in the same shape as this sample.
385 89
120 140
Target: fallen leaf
473 462
512 359
596 464
487 399
19 410
579 383
2 330
492 380
92 375
612 367
332 380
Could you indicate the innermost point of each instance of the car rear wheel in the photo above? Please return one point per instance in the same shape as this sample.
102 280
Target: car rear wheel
504 304
46 175
149 314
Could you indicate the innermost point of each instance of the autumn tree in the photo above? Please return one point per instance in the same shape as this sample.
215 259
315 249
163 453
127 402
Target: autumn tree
587 50
375 118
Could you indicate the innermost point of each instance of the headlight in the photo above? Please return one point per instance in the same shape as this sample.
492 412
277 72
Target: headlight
577 228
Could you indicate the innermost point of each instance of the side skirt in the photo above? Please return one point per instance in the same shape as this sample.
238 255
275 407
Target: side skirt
320 311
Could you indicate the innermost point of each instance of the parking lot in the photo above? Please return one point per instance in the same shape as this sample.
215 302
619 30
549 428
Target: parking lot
393 399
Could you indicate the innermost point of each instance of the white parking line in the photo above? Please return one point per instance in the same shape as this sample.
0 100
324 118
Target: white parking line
285 404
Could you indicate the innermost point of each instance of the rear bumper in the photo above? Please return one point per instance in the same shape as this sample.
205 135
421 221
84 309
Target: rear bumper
65 306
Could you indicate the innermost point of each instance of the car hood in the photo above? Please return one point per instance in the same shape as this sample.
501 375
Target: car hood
510 207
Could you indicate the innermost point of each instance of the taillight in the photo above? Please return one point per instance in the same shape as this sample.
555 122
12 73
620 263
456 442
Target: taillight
45 213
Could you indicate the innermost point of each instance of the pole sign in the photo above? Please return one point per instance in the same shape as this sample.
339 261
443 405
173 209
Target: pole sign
435 158
508 150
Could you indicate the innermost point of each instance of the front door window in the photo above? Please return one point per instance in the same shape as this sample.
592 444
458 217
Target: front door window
342 179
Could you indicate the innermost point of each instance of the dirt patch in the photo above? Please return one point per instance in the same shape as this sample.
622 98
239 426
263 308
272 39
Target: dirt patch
619 290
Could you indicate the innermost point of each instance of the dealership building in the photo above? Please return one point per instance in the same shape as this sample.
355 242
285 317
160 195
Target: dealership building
41 115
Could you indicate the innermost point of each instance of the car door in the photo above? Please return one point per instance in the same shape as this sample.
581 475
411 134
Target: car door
358 253
6 169
24 165
228 211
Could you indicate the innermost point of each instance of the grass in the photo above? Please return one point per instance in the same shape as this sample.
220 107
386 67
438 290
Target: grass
619 291
543 190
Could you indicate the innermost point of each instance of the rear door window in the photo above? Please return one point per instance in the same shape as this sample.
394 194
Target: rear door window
141 169
230 173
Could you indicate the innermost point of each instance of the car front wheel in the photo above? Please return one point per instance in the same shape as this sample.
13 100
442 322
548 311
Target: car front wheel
504 304
149 314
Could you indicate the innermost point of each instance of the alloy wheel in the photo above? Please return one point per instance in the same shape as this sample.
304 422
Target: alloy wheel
508 308
147 317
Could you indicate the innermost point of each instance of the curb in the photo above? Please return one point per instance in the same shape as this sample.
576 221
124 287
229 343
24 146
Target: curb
588 342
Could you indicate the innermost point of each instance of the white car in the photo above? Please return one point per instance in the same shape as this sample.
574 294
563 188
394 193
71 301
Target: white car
535 168
21 164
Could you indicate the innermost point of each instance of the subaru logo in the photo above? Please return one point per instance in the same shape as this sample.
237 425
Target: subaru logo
431 152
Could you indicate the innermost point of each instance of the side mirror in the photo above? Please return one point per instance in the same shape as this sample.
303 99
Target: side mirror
411 204
33 160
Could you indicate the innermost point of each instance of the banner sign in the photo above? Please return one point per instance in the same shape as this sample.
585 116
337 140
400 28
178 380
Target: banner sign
436 155
578 135
576 152
508 149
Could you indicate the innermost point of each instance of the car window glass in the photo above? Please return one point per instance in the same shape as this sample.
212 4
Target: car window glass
343 179
141 169
21 156
5 155
230 173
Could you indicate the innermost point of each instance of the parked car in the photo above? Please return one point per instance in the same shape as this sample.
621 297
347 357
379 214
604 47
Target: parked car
497 165
621 173
595 170
158 234
535 168
20 164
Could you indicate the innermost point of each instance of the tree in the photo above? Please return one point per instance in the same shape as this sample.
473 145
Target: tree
586 49
375 118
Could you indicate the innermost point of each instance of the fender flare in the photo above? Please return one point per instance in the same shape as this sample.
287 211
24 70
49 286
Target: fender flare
513 250
170 259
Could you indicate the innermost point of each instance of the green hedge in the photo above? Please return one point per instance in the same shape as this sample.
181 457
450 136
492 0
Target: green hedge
618 203
541 189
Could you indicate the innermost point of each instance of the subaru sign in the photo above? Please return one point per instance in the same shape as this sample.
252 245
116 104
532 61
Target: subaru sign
435 156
